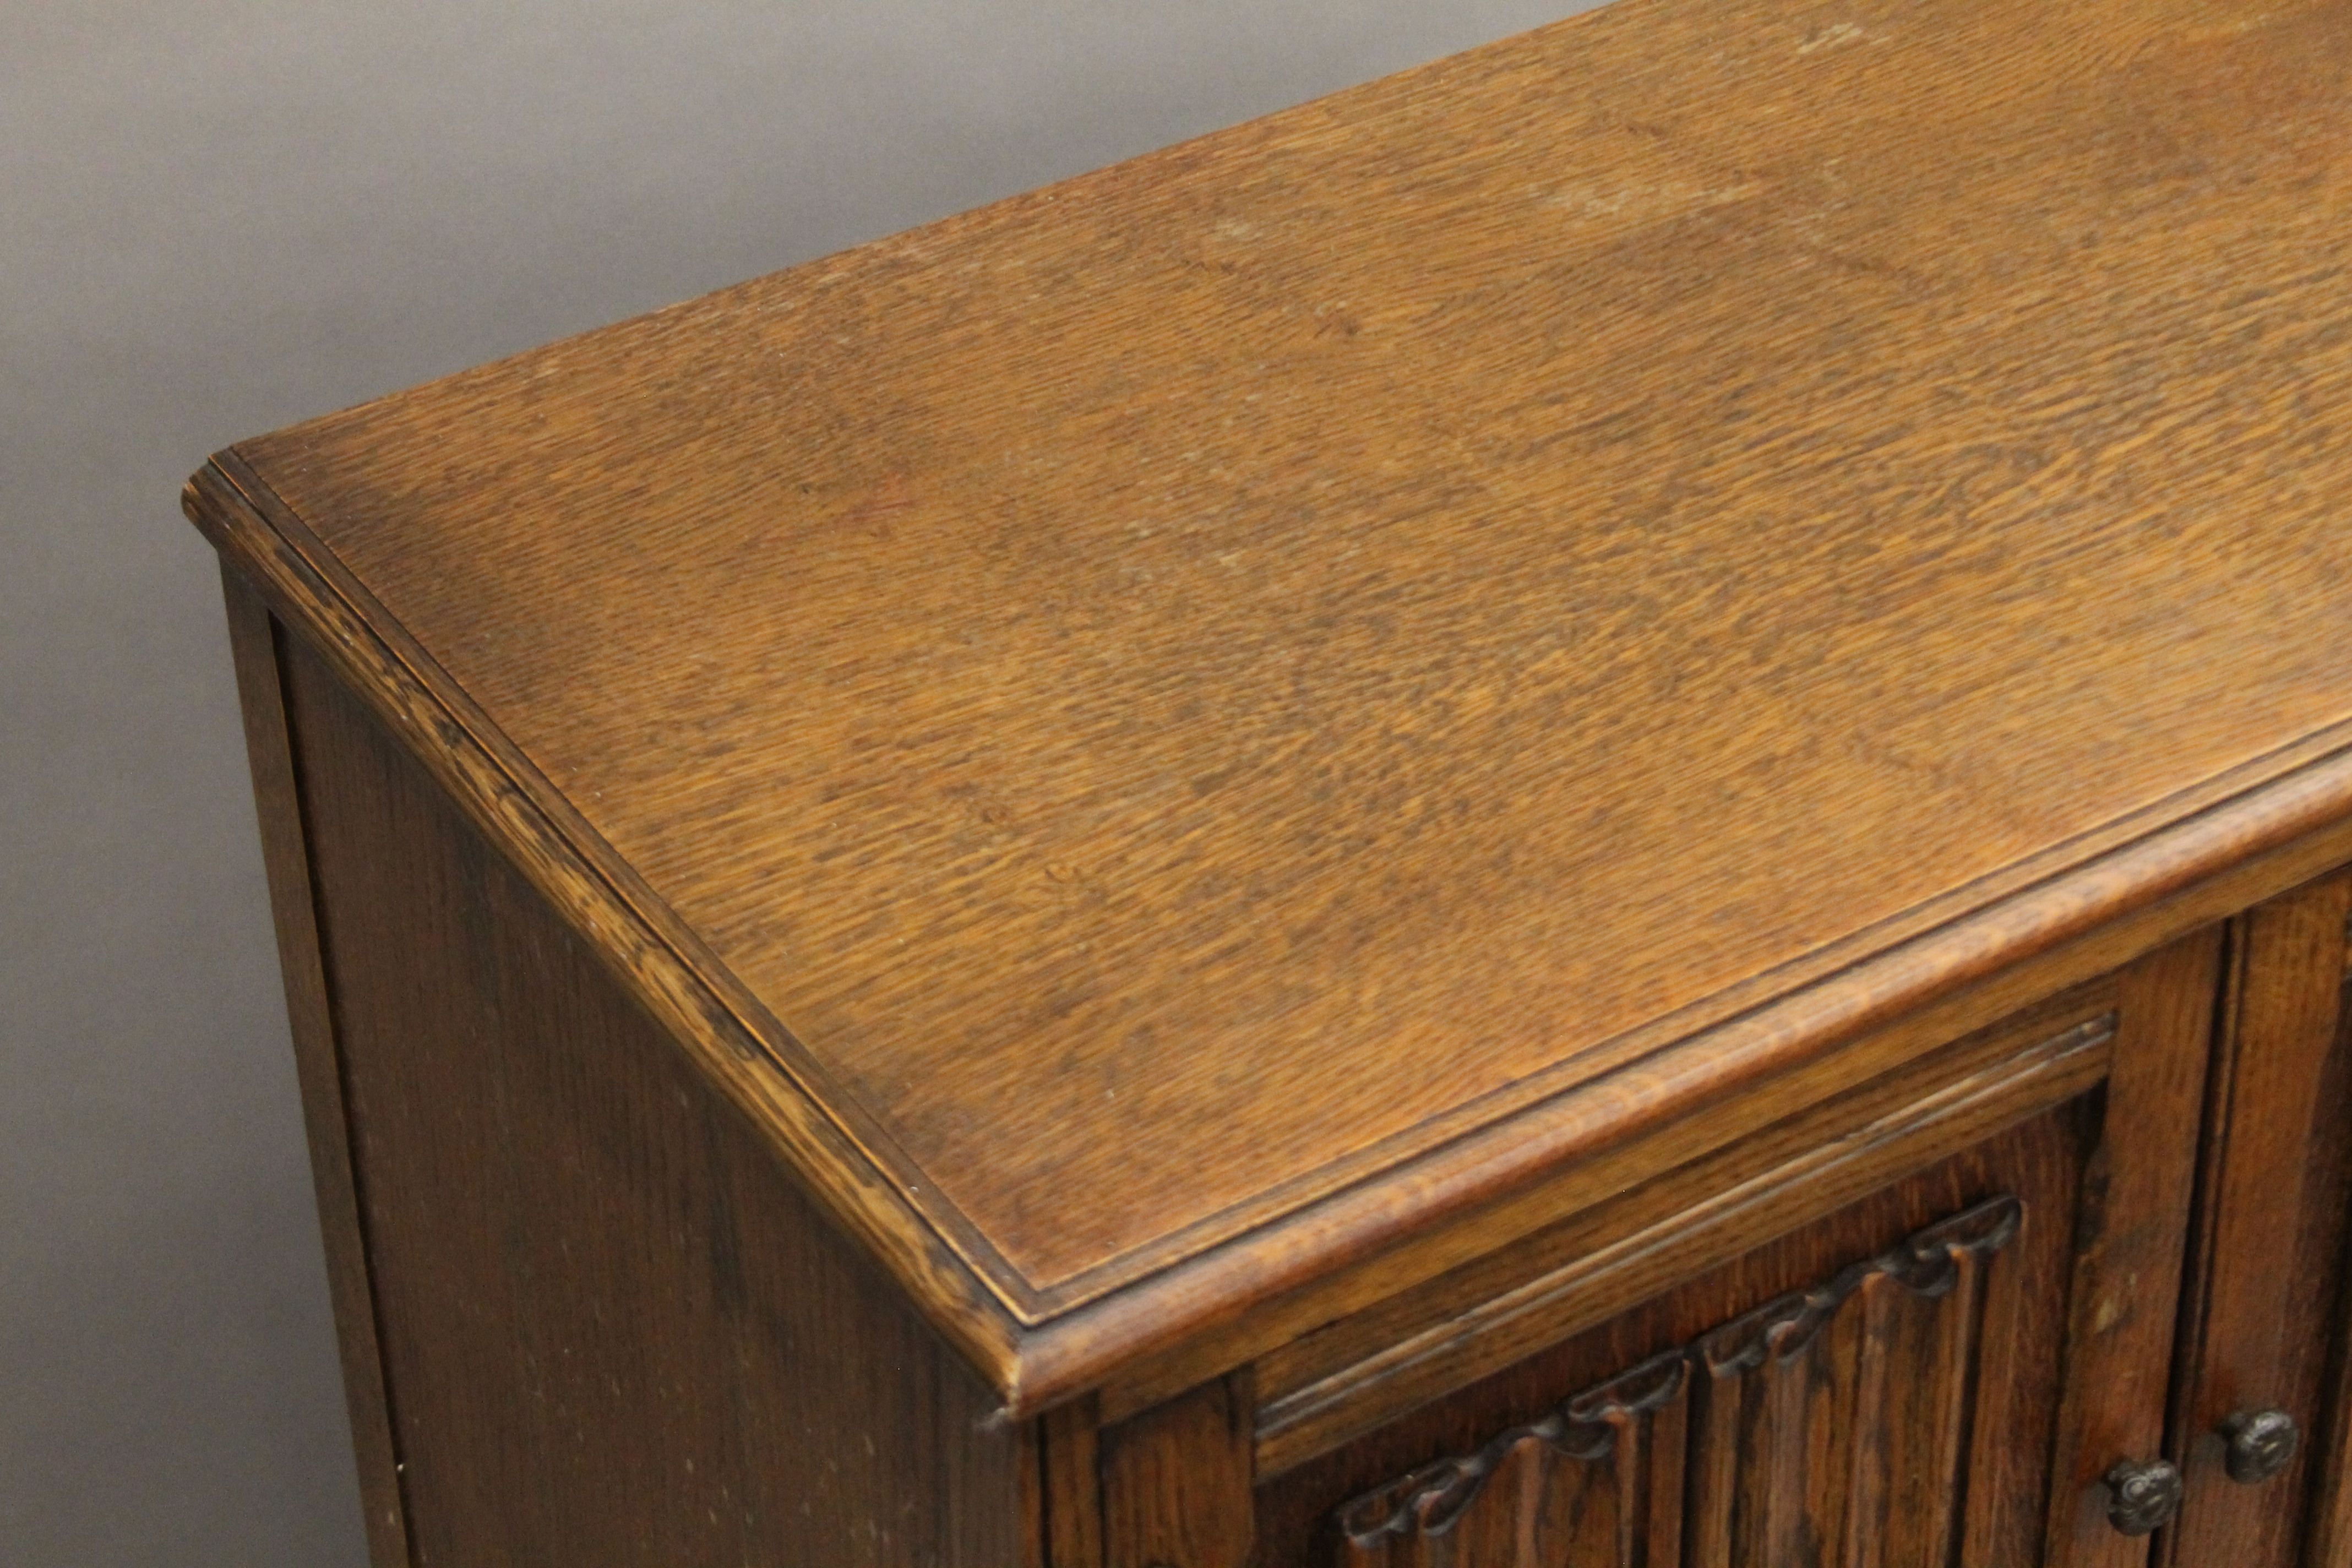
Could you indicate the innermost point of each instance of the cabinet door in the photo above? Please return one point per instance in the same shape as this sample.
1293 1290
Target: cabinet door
1950 1370
2258 1438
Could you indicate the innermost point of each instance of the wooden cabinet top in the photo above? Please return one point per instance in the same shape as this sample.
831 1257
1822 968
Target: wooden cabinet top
1176 729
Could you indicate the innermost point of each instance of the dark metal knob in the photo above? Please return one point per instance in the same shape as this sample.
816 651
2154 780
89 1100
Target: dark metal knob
2261 1444
2142 1498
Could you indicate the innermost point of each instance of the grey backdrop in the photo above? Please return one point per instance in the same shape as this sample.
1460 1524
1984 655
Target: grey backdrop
220 216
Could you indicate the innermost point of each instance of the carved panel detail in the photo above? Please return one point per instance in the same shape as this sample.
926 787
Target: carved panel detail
1830 1424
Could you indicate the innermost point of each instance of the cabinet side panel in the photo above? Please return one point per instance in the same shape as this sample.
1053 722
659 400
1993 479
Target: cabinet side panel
254 641
615 1330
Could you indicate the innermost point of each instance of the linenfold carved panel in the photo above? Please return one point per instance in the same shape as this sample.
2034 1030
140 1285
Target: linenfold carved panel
1836 1414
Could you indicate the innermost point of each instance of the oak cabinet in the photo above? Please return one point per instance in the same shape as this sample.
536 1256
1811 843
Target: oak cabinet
1589 808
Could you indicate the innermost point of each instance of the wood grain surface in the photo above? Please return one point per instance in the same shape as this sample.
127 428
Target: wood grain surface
2130 1237
2264 1273
1793 1470
1371 1366
1830 1425
1185 696
256 642
1176 1483
614 1331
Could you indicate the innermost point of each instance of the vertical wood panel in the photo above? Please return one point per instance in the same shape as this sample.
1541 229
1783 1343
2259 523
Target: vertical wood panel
2125 1302
2273 1209
1598 1481
1176 1481
2331 1511
1715 1473
254 643
2330 1236
1660 1484
1878 1318
2013 1422
1925 1394
1069 1437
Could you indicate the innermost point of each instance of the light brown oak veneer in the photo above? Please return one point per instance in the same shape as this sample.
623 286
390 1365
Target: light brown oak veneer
1177 731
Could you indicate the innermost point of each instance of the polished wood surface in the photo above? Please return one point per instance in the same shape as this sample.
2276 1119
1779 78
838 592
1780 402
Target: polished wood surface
614 1331
1239 710
1348 1253
1593 808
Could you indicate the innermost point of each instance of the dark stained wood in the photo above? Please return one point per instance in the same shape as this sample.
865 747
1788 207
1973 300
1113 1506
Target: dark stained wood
1246 707
1069 1440
2329 1520
1810 1397
254 643
2131 1234
1599 1479
614 1328
2263 1284
1176 1482
1832 1424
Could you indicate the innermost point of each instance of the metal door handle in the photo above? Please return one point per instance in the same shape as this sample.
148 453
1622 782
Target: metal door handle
2142 1498
2261 1442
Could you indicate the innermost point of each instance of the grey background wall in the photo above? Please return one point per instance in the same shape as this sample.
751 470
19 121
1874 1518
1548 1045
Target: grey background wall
220 216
